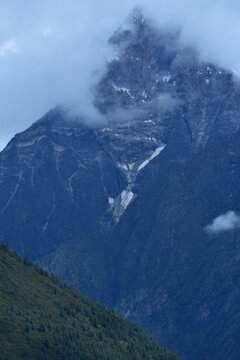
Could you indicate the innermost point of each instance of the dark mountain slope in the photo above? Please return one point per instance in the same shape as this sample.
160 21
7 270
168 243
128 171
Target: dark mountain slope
53 165
170 268
42 319
58 180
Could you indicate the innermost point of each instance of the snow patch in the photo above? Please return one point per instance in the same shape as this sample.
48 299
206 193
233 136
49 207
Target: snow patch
110 201
156 153
131 166
127 167
209 70
123 89
58 148
150 122
166 78
126 198
123 166
151 139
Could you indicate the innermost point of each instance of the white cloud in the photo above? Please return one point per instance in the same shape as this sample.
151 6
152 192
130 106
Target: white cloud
225 222
60 44
46 30
8 46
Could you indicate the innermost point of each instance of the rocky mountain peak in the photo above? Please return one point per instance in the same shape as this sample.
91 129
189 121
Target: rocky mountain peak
119 210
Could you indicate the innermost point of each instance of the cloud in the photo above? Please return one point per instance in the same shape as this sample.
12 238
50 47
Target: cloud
226 222
8 46
53 51
46 30
62 51
212 26
165 102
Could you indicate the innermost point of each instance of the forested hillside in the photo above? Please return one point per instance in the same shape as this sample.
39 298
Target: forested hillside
40 318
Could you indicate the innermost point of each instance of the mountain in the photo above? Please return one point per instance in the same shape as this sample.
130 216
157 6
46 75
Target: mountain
119 209
167 265
49 189
44 319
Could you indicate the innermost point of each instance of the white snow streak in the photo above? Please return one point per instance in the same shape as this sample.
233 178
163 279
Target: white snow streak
167 78
150 121
12 195
123 166
31 142
123 89
156 153
126 198
58 148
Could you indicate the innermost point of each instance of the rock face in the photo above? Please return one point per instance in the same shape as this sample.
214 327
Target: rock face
119 210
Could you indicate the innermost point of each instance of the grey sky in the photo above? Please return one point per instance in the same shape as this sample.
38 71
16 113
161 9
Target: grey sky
52 51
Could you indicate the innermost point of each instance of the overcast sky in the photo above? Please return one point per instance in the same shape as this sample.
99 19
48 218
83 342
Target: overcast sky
52 51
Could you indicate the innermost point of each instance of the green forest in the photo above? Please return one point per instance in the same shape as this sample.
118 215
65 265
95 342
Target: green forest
41 318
